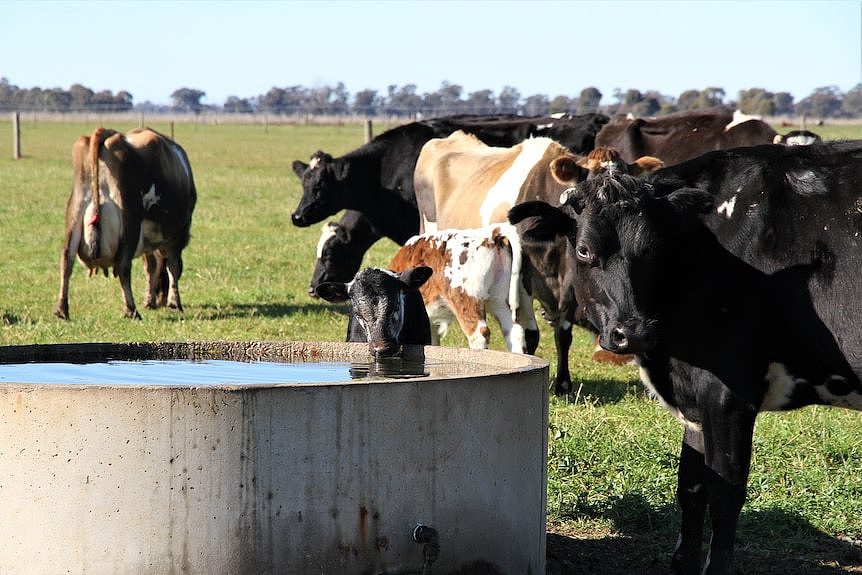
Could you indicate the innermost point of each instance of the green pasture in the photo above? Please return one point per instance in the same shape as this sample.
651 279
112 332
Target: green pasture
612 450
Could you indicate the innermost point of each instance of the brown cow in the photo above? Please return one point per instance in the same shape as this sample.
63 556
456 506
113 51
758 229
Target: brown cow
474 270
684 135
133 194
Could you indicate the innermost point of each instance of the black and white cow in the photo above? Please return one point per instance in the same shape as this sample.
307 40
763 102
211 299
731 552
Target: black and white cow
132 194
730 311
340 249
386 308
376 179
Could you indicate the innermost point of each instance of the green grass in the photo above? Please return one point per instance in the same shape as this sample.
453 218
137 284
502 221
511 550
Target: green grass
612 451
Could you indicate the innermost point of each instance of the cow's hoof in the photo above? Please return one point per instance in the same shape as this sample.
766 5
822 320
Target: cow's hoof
132 314
62 314
561 387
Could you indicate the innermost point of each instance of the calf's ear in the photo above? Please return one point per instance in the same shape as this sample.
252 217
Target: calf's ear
299 168
415 277
333 292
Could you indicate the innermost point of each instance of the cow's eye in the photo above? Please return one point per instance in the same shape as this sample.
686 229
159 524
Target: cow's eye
584 254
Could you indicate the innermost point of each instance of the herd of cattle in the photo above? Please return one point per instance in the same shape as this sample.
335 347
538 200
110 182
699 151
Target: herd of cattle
716 253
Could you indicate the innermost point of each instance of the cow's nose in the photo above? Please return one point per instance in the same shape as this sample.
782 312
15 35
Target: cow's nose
384 349
311 291
620 338
298 220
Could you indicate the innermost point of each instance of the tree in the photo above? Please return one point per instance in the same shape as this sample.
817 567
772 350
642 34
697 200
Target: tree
188 100
480 102
825 102
235 105
507 101
688 100
783 104
536 105
851 104
560 104
365 102
588 101
756 101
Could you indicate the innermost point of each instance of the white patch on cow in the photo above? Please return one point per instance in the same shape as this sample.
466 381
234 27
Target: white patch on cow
544 126
675 411
428 226
740 118
482 268
630 116
476 340
505 191
313 163
151 198
799 140
327 232
727 207
780 385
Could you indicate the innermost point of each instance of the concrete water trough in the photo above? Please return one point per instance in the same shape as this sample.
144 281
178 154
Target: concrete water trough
441 469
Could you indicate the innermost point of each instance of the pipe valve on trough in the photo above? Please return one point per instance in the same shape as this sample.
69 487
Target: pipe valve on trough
431 548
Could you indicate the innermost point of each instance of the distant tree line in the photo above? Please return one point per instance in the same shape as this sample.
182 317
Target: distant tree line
405 101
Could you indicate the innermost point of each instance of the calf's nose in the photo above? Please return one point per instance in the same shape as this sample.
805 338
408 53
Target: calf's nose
298 220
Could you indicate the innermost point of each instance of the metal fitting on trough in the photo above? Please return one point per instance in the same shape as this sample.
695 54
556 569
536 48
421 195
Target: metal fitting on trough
431 549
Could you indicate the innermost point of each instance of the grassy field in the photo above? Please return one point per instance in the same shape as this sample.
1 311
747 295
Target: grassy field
612 451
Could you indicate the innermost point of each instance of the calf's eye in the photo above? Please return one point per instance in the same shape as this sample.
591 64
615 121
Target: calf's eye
583 253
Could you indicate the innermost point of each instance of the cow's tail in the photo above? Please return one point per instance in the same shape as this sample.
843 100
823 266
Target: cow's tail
91 226
511 234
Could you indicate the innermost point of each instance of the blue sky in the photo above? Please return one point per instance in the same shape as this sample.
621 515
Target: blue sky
151 48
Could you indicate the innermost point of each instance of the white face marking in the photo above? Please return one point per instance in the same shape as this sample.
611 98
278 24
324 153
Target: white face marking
673 410
313 163
727 207
506 189
476 340
327 232
150 199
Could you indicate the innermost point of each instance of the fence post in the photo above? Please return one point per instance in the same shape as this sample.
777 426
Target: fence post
368 131
172 131
16 136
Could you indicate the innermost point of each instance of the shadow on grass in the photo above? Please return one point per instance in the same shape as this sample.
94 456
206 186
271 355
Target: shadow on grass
249 310
768 542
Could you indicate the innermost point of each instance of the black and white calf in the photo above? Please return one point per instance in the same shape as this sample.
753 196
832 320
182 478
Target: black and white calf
386 308
341 247
729 312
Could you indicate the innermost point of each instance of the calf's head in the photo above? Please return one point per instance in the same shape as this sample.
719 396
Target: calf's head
322 188
386 307
624 241
337 259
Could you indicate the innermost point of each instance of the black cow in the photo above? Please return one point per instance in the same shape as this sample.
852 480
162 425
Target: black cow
386 308
341 247
746 314
133 194
684 135
376 179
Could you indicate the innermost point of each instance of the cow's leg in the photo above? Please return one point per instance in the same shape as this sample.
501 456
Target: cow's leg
67 261
470 314
123 270
526 318
727 439
174 264
512 332
691 495
154 269
563 341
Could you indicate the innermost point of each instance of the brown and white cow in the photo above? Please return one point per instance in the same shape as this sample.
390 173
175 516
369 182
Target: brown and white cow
475 271
462 183
132 194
